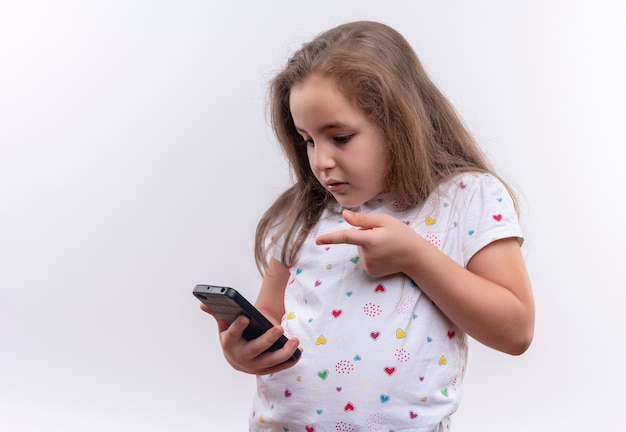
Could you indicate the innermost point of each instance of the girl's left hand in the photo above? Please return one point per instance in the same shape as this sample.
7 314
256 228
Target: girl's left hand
491 299
383 241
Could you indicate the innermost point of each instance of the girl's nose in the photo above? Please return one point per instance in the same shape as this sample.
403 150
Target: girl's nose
322 157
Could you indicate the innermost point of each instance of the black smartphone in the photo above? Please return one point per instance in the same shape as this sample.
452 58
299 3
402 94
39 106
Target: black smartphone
227 303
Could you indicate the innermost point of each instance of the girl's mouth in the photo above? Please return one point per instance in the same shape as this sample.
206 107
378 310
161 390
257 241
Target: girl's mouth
337 187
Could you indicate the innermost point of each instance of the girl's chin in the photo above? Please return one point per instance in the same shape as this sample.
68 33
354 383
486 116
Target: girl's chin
348 203
352 202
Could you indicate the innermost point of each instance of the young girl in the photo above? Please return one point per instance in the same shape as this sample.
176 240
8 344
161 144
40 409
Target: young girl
395 241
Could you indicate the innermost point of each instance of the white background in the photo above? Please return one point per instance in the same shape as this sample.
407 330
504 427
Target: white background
136 159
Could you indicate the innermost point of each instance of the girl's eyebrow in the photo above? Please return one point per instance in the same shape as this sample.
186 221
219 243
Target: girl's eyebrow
324 128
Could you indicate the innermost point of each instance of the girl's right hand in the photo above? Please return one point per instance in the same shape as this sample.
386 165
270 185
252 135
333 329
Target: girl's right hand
251 356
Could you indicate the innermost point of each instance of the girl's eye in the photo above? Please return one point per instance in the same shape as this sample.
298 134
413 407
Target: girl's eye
342 139
309 143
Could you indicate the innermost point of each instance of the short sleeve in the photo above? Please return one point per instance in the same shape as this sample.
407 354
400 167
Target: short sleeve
274 244
490 213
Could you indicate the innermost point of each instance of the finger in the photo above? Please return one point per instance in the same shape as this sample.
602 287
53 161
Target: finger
279 361
232 335
363 220
261 344
354 237
266 361
221 325
283 354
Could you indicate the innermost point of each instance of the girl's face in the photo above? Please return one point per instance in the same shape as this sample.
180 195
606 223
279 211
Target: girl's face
346 150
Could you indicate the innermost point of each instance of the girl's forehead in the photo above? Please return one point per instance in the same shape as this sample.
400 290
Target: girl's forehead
316 83
317 78
319 99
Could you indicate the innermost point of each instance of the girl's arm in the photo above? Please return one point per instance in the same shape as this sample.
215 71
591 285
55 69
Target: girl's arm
250 356
271 299
491 299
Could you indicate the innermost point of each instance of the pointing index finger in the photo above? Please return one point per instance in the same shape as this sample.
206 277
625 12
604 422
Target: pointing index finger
338 237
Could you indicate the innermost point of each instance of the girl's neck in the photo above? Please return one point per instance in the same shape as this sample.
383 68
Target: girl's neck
380 200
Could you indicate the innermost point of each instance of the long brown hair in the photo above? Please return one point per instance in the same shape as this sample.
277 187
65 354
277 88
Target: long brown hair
377 69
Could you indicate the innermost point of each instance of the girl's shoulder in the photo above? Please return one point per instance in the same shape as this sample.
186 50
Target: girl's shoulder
476 189
479 188
470 181
477 208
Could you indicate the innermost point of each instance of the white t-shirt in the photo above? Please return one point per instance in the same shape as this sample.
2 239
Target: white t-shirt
378 353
